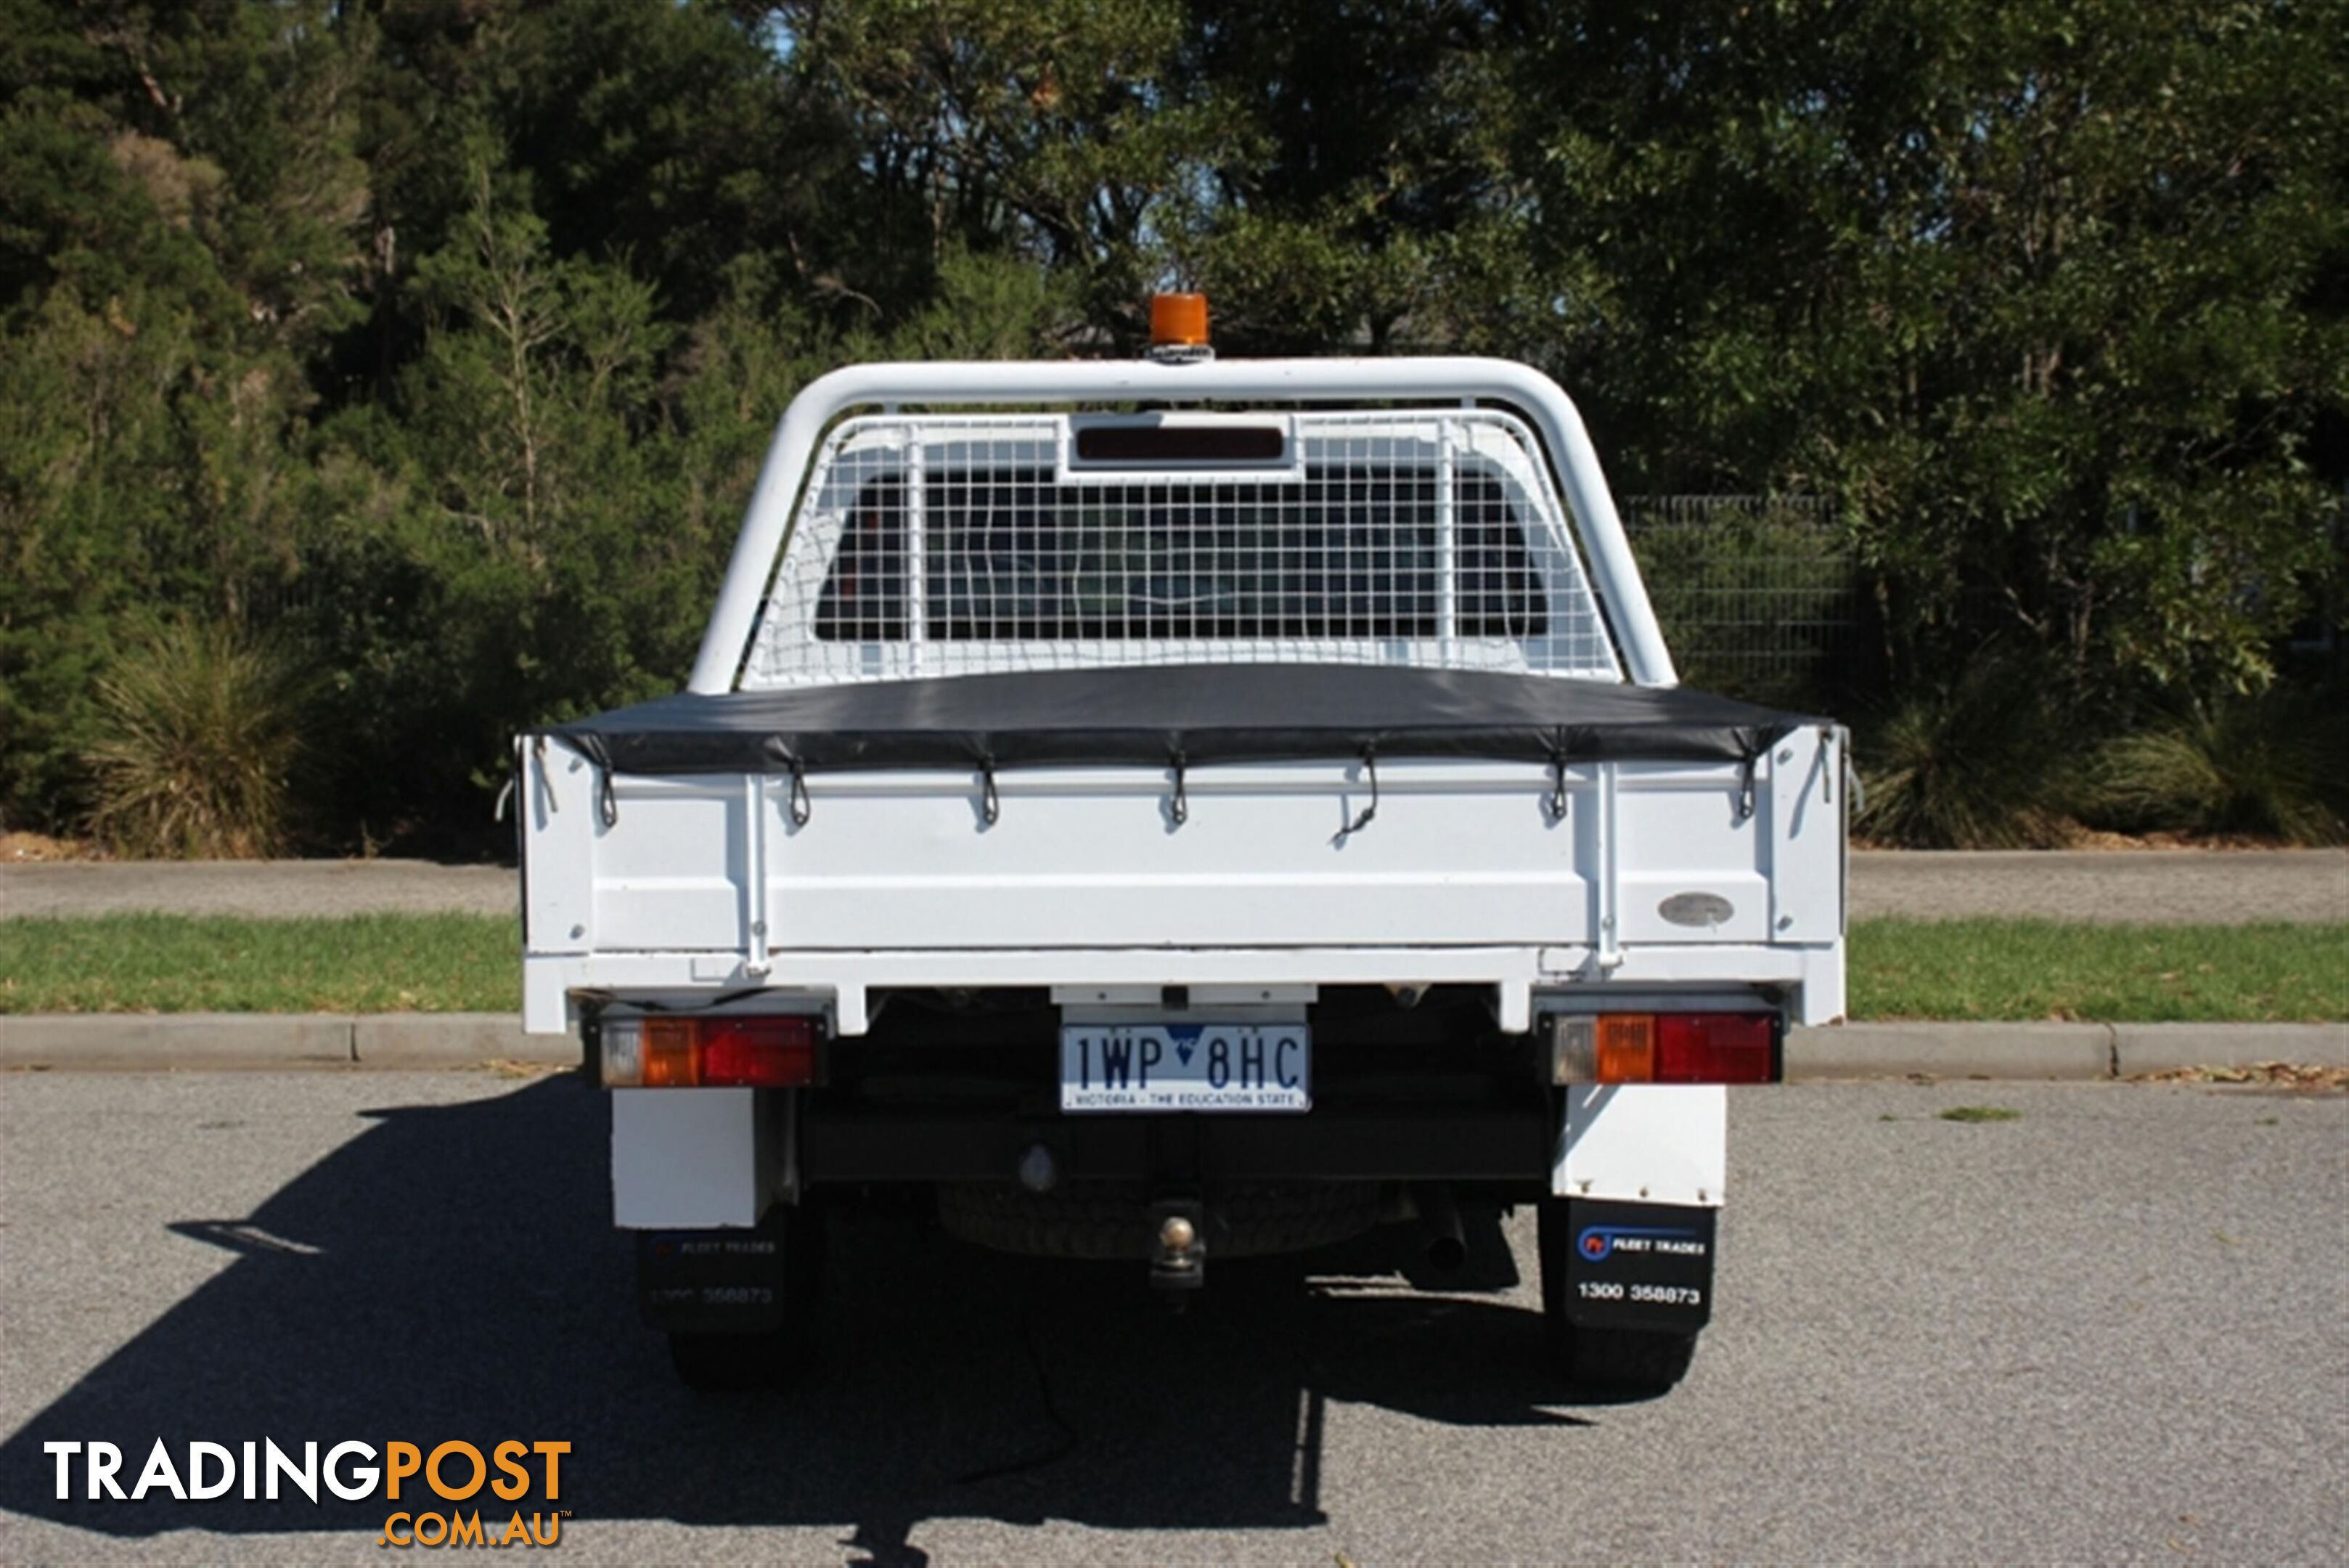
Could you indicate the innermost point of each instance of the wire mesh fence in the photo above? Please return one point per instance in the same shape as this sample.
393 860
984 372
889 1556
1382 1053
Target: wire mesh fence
1755 593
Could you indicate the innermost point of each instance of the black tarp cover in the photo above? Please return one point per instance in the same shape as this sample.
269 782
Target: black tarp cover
1177 715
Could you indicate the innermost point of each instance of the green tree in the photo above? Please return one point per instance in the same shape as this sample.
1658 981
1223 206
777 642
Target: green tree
2033 285
1362 193
1053 131
503 547
447 339
166 268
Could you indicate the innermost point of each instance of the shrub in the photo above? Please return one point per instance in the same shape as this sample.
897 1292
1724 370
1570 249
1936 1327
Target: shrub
202 735
1979 764
2277 763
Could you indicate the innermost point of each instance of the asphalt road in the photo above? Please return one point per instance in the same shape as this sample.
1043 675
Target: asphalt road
2165 887
2116 1327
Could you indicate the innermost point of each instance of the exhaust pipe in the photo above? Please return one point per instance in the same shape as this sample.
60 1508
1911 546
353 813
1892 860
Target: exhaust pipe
1446 1246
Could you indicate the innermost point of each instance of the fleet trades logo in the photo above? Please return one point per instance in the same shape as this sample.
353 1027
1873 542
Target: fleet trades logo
454 1472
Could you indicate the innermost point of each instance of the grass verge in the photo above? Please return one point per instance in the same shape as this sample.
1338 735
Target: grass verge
194 963
2008 970
1959 970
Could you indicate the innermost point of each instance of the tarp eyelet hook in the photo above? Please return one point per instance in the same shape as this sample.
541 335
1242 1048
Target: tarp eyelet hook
546 785
1179 809
800 808
1371 768
607 801
1745 788
990 806
1557 784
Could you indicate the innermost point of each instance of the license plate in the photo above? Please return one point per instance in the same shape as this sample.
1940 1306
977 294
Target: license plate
1186 1068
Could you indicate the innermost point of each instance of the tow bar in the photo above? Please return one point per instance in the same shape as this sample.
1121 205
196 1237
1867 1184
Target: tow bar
1178 1249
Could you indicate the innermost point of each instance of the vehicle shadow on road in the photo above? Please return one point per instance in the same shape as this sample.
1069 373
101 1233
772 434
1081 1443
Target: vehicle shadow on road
451 1272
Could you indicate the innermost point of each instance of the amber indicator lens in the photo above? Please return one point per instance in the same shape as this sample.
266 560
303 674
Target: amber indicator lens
668 1054
1627 1048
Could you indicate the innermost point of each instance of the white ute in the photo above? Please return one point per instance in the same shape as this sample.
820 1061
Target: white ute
1176 810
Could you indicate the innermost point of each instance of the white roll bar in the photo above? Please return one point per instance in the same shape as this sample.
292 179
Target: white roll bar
1533 394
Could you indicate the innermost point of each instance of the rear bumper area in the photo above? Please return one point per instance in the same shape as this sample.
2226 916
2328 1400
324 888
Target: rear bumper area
844 984
1432 1091
1327 1144
1420 1088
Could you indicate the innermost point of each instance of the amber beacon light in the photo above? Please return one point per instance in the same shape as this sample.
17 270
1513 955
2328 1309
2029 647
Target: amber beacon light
1179 321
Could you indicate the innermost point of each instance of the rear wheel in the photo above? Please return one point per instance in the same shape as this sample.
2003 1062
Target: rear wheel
1621 1360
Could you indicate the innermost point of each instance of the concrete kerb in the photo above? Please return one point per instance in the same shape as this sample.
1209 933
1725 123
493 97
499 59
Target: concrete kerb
146 1040
2055 1051
204 1042
431 1040
2160 1048
2063 1051
208 1041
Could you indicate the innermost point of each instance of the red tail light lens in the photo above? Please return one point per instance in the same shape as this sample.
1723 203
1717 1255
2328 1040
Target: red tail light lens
1714 1048
758 1053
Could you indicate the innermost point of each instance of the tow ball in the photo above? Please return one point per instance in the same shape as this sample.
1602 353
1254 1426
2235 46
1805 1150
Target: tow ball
1178 1248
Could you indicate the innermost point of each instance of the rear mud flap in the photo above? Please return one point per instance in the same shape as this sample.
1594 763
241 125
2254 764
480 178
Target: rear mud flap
1644 1266
715 1281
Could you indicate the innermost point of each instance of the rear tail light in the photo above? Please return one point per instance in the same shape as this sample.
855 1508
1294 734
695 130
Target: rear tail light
1665 1048
725 1053
1715 1048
